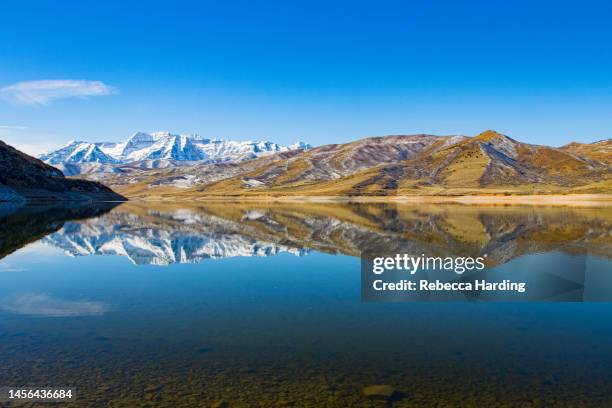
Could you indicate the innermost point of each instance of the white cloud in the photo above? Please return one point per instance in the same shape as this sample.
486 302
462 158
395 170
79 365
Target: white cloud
40 304
43 92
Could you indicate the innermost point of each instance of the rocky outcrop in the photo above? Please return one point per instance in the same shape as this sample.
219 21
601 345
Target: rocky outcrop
25 178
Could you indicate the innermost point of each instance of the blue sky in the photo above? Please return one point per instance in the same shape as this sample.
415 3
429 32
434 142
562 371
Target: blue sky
317 71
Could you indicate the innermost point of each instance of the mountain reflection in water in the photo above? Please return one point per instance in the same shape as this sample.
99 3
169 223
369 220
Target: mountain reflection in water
21 225
279 331
164 234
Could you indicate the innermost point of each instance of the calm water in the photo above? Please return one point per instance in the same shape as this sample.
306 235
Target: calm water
260 305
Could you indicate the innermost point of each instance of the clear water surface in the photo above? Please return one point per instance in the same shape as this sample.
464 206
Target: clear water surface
259 305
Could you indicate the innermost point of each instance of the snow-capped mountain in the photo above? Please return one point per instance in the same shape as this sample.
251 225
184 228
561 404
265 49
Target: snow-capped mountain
78 152
158 149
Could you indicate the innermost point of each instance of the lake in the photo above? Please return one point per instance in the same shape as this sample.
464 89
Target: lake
259 304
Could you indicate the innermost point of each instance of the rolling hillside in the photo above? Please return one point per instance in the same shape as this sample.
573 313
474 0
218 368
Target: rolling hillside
389 166
600 151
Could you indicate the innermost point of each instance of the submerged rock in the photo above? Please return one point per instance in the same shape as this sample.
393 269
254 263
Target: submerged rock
153 388
379 392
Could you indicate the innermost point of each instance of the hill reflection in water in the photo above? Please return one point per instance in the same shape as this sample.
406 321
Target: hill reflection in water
21 225
164 234
288 331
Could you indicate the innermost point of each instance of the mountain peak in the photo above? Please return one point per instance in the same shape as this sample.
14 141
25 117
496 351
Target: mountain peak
162 134
140 137
300 145
498 141
161 149
490 135
75 142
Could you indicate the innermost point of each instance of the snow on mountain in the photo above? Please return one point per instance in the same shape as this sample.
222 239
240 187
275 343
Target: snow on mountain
177 147
299 145
78 152
159 149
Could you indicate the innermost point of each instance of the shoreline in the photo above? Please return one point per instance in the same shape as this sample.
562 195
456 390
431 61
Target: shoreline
574 200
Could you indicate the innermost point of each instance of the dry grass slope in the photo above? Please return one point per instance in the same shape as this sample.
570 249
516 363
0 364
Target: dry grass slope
489 163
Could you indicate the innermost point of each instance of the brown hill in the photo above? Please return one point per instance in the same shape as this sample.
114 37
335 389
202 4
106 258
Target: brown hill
493 160
22 225
24 178
600 151
394 165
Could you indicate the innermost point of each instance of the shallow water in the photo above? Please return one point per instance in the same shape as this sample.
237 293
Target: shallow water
259 305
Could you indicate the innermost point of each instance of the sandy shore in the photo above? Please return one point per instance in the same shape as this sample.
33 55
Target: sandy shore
581 200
